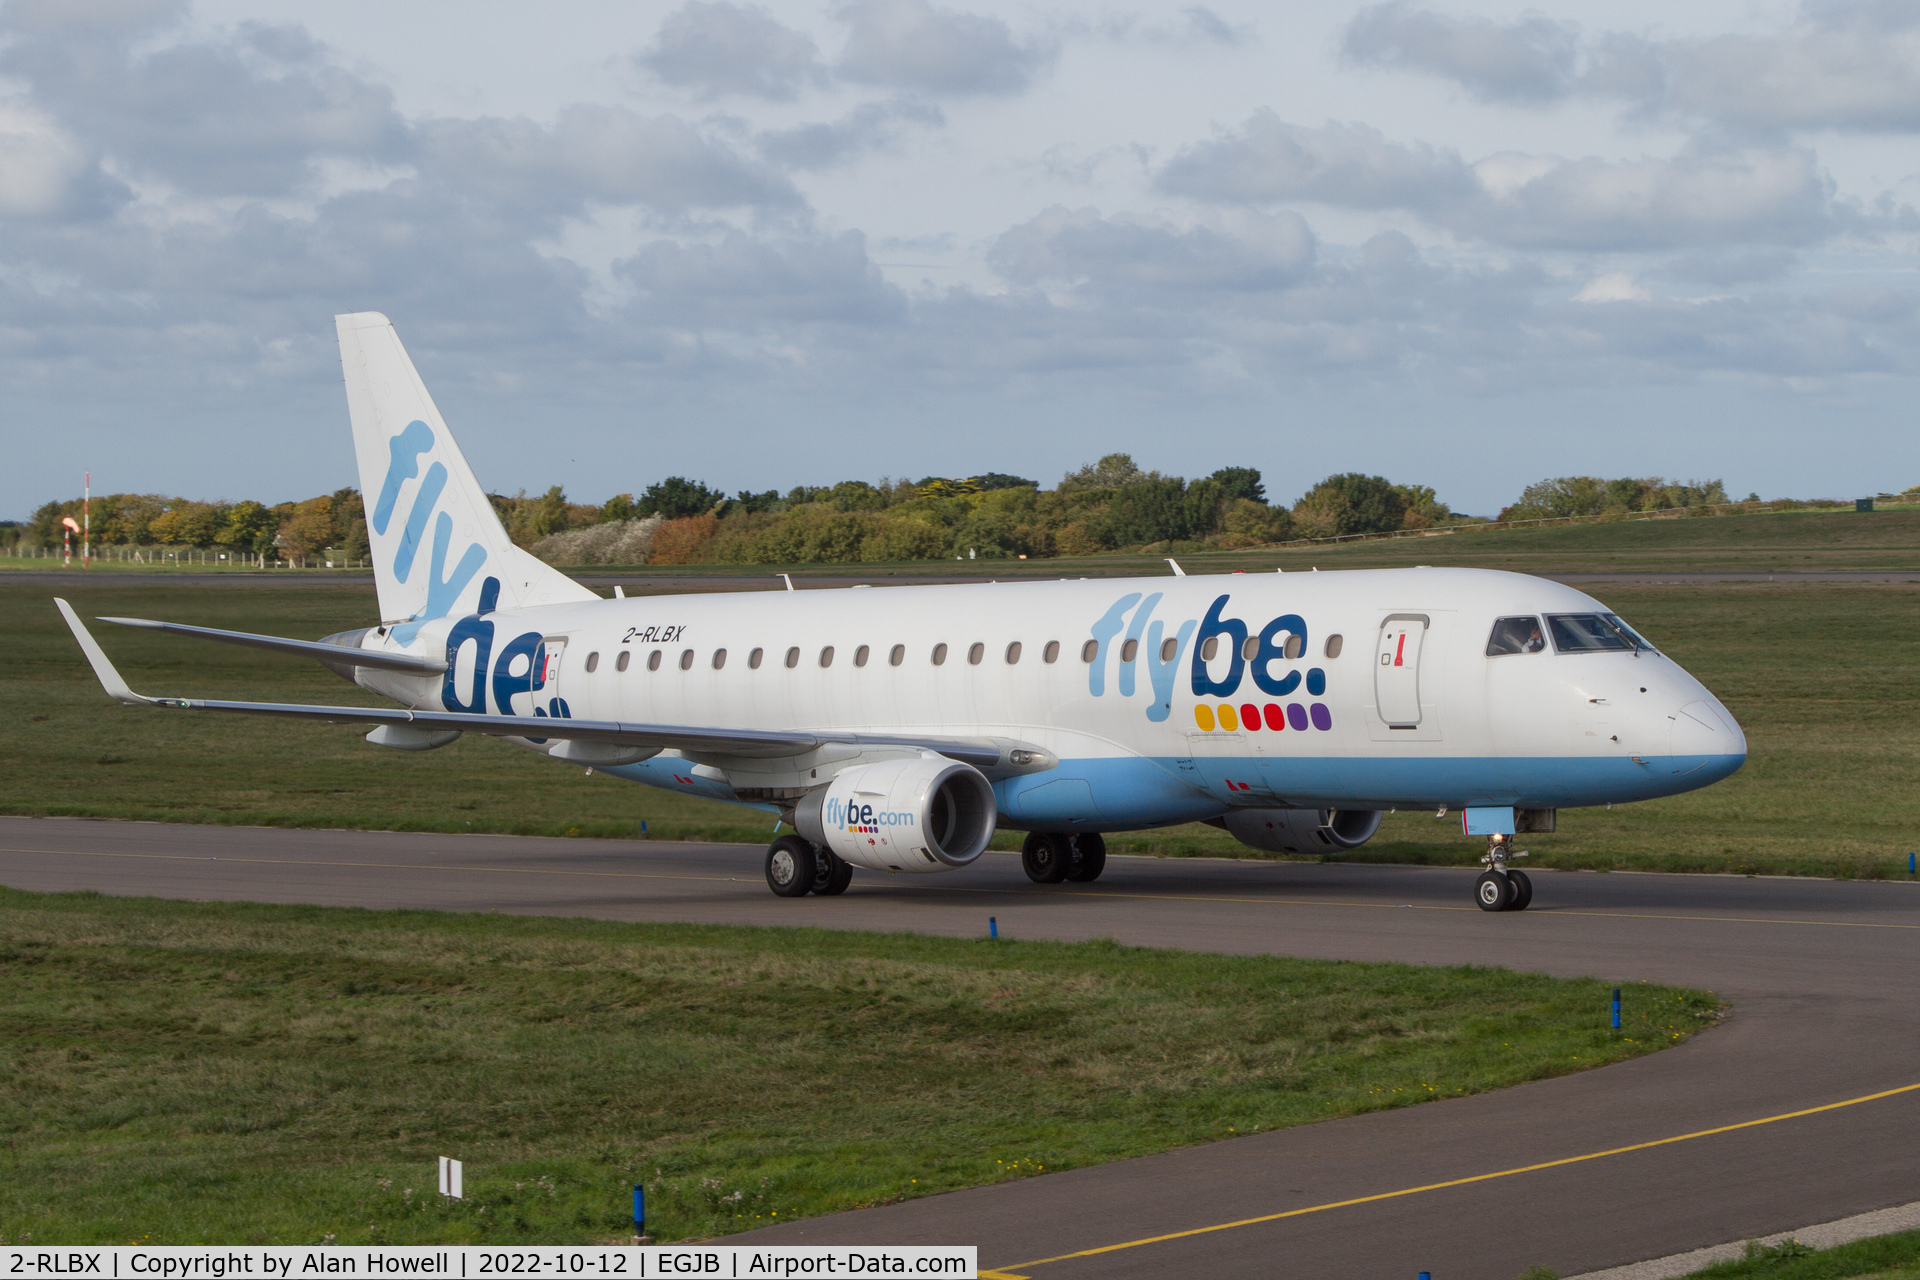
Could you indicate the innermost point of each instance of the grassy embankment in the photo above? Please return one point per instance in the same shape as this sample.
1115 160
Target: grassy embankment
187 1072
1893 1257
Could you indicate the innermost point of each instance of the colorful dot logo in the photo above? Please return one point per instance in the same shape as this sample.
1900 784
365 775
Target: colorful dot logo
1271 717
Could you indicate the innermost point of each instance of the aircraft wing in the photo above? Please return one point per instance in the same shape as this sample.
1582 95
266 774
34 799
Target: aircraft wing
694 740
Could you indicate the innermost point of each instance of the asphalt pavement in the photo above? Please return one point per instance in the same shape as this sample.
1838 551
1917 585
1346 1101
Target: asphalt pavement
1820 976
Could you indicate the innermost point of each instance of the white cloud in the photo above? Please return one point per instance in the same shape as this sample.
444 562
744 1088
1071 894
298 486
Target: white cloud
718 48
1528 60
42 166
1838 64
1615 286
598 153
1776 196
919 47
871 126
1750 196
1126 255
1355 165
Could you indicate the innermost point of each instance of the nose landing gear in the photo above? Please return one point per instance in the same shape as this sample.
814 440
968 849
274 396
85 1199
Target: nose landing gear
1500 887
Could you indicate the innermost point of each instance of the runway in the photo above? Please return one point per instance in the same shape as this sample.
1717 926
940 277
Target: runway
1819 974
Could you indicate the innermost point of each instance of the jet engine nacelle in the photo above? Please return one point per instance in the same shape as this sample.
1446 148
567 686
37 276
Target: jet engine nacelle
926 814
1302 830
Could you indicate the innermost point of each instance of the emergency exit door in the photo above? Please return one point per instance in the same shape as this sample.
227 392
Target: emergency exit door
1396 669
546 681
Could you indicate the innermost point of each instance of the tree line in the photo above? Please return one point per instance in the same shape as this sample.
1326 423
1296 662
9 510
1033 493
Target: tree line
1108 505
294 532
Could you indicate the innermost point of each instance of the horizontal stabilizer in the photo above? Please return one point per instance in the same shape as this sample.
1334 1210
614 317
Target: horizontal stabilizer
334 655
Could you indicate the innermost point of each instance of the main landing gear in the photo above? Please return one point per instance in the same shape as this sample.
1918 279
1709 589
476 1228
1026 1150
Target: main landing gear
1500 887
796 868
1049 858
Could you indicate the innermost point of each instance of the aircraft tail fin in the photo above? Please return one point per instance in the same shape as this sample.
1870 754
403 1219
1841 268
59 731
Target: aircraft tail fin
438 548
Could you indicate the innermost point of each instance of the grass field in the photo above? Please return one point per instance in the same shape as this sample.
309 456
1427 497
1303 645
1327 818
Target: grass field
1778 542
1892 1257
188 1072
1824 677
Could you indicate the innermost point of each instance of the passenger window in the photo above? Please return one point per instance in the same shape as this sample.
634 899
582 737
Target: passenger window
1515 635
1333 646
898 656
1592 633
1296 645
686 659
1051 653
719 659
653 660
1013 653
1129 650
939 654
860 656
1211 647
1089 651
593 662
826 656
620 663
793 656
975 652
753 659
1251 648
1168 648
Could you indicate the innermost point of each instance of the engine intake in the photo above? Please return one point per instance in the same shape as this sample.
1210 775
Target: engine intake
1302 830
924 815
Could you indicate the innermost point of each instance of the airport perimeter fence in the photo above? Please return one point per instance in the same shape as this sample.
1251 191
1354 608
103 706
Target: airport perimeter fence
188 557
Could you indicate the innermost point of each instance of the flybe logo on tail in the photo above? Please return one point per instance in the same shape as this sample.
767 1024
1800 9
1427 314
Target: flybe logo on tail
405 451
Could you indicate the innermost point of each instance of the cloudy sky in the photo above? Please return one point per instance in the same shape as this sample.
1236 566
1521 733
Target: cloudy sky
1461 244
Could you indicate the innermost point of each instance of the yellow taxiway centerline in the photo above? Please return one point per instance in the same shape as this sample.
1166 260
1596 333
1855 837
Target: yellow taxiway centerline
1012 1272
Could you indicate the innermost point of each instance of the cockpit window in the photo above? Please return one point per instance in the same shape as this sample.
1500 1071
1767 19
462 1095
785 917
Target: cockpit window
1515 635
1593 633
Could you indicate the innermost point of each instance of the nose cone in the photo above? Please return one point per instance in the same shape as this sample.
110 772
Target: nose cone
1707 745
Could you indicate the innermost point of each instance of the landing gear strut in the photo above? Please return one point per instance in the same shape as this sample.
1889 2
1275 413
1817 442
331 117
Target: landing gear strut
796 868
792 867
1049 858
831 873
1500 887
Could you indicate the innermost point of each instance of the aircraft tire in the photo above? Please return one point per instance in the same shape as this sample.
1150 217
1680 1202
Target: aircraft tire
1522 890
790 867
1089 857
1044 857
833 875
1492 891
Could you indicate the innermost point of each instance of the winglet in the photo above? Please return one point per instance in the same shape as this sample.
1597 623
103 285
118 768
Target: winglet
109 678
1178 572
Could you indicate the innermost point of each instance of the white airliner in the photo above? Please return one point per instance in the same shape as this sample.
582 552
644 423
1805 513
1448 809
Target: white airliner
894 729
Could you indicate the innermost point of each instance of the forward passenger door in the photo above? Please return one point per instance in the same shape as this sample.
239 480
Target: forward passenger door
1396 669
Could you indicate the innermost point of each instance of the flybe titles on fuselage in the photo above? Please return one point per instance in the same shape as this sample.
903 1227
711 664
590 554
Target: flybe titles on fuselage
1262 658
518 667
